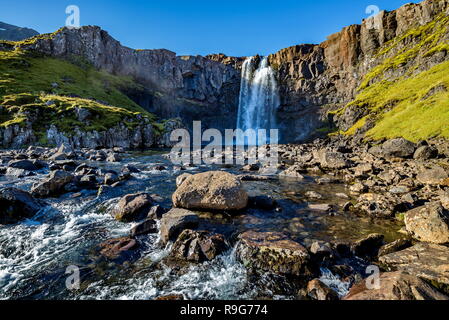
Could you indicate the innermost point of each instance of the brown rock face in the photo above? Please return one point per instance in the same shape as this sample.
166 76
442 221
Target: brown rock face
424 260
198 246
16 205
212 190
429 223
133 206
175 221
189 87
274 252
396 286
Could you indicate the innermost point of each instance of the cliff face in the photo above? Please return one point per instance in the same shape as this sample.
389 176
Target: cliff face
316 79
189 87
351 82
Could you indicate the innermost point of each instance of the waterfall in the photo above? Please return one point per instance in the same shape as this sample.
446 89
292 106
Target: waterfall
259 96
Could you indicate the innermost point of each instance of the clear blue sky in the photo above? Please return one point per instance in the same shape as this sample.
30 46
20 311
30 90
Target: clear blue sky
233 27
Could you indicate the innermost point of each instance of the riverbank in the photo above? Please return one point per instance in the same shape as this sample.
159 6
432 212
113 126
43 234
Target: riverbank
138 227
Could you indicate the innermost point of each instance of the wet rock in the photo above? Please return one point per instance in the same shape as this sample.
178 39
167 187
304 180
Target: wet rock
321 207
16 205
395 286
181 178
170 297
23 164
262 202
18 173
175 221
425 260
398 148
156 212
317 290
251 167
213 190
358 188
330 160
130 168
425 153
88 181
313 195
145 227
110 178
120 248
368 246
198 246
379 205
428 223
274 252
432 175
53 185
113 157
292 172
132 207
394 246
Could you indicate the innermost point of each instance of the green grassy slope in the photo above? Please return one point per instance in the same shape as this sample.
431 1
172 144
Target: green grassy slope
416 105
46 90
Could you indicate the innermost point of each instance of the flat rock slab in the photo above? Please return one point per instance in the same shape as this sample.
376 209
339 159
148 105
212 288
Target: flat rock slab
424 260
273 252
395 286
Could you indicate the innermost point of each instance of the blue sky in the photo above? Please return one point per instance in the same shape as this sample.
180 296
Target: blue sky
233 27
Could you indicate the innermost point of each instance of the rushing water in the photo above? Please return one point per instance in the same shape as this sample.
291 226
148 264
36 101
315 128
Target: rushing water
259 96
35 253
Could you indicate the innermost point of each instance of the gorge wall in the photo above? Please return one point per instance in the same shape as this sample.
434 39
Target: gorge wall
189 87
322 87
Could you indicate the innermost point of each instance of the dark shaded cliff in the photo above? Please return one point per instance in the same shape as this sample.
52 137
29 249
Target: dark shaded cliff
189 87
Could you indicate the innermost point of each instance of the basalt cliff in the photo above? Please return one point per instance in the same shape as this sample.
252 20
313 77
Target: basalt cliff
382 79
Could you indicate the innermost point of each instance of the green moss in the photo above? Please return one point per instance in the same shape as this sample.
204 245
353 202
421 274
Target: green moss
408 107
427 38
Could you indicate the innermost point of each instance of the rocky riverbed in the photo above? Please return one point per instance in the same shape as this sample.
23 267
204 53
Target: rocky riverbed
138 227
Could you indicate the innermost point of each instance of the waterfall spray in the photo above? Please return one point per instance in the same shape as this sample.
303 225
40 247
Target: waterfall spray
259 96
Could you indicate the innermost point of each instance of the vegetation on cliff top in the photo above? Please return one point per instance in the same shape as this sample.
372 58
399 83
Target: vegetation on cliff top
416 105
44 91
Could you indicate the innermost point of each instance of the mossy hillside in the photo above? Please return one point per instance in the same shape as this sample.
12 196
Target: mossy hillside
426 40
415 108
22 72
43 91
42 111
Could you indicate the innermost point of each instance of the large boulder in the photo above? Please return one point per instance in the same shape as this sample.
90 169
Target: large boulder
53 185
395 286
198 246
432 175
330 160
425 260
275 253
23 164
317 290
213 190
428 223
119 248
16 205
398 148
175 221
132 207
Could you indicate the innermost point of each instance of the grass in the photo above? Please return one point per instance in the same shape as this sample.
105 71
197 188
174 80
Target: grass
427 38
406 108
43 91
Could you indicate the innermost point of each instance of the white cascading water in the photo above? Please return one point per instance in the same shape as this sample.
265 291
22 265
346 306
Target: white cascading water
259 96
